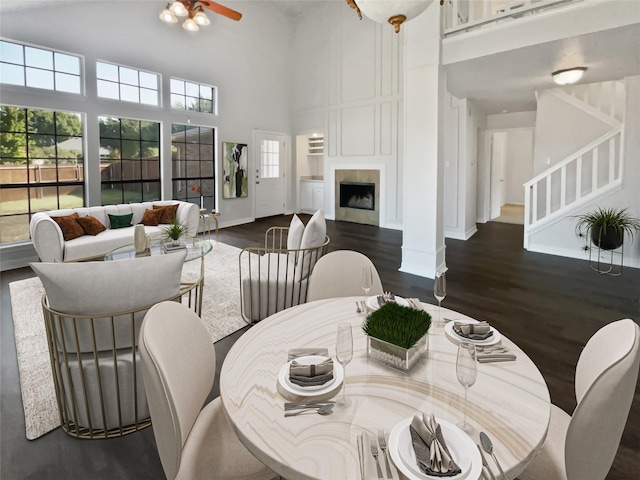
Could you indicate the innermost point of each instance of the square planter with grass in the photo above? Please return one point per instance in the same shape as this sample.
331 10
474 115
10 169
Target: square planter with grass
397 336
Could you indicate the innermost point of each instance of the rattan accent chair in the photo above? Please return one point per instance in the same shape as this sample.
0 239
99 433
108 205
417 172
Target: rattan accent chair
93 349
276 276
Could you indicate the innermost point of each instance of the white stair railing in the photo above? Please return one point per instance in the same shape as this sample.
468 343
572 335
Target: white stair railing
582 176
606 97
464 15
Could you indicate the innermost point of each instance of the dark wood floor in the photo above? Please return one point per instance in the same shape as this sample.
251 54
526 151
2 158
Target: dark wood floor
548 305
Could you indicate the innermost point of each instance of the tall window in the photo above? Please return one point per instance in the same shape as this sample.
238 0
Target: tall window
127 84
129 160
270 159
193 96
41 166
192 153
39 68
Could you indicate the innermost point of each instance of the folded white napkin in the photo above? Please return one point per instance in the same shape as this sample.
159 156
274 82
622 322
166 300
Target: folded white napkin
494 354
432 454
473 331
304 352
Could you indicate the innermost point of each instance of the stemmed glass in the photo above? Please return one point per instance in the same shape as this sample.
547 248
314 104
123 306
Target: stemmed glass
440 291
344 354
467 372
367 283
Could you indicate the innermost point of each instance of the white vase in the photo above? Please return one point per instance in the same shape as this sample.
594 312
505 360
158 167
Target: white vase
139 240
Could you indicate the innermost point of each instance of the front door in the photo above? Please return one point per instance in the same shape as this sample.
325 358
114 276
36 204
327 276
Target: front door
271 188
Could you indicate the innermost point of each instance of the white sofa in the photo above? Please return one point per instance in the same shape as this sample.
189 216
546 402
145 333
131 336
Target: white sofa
51 247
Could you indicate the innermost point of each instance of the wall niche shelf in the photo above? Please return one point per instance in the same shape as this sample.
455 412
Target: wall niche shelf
316 146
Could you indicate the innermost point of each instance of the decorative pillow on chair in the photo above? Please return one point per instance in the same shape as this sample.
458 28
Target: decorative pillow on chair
151 218
169 212
315 231
296 230
120 221
69 225
91 225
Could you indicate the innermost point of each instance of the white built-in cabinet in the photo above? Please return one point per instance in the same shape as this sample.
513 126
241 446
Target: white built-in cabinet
311 195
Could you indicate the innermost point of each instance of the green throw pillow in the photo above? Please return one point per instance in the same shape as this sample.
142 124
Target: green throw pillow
120 221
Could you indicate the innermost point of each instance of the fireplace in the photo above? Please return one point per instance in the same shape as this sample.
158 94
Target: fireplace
358 195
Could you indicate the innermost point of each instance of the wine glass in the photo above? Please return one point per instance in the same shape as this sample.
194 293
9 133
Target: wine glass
467 372
367 283
344 354
440 291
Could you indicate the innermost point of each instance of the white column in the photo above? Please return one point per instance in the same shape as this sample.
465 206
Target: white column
424 87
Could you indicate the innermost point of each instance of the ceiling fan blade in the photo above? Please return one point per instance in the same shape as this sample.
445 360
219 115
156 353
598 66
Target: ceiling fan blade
221 10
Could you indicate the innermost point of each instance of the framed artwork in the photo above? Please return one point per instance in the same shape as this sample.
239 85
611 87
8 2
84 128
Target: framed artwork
235 170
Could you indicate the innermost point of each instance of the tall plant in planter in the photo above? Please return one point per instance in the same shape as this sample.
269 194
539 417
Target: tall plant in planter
607 227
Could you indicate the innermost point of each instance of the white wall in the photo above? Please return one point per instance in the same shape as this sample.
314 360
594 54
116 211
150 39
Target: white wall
249 62
503 121
561 129
519 164
348 84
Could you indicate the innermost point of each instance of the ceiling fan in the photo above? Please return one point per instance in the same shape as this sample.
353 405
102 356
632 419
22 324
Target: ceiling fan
194 11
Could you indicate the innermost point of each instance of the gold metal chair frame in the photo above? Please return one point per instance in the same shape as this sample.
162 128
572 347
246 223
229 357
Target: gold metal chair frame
74 401
288 267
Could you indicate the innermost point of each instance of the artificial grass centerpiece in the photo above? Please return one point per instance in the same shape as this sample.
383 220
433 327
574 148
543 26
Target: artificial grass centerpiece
398 325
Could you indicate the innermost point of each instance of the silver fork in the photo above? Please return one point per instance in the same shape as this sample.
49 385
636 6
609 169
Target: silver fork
374 452
382 441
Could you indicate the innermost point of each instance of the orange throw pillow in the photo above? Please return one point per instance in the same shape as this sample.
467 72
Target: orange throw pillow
69 225
151 218
169 212
91 225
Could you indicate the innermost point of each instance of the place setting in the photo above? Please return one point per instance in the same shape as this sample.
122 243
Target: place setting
312 373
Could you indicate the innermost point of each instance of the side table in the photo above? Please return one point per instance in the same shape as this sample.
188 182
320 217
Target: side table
206 221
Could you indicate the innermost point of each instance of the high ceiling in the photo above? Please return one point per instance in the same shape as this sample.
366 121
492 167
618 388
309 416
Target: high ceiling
498 82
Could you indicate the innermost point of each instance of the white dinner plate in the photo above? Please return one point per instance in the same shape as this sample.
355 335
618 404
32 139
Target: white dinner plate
372 302
461 447
283 377
492 340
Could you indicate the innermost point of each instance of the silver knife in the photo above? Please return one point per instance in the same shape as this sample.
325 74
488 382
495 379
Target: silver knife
485 464
361 455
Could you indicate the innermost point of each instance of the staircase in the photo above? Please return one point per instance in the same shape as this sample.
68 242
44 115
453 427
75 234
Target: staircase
592 171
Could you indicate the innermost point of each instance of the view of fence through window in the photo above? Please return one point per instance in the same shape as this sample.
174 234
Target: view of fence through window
129 160
41 166
192 154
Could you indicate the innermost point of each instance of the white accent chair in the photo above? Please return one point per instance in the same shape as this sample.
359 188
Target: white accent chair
339 274
93 312
276 276
583 446
178 368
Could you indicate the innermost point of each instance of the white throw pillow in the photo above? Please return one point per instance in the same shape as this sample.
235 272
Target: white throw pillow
315 231
296 230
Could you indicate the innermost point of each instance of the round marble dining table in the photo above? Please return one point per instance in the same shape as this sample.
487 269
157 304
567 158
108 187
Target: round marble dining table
509 401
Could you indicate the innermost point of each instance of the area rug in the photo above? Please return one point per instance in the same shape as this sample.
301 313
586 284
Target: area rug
220 312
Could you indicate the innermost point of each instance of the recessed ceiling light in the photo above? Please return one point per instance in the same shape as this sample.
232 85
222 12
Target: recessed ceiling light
568 75
505 111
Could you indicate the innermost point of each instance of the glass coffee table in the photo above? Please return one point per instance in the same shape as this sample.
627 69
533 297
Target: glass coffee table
196 248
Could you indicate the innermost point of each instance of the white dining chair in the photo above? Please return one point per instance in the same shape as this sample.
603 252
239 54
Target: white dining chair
178 368
583 446
339 274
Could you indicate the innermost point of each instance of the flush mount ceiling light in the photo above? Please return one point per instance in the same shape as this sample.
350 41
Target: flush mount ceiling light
194 11
568 75
395 12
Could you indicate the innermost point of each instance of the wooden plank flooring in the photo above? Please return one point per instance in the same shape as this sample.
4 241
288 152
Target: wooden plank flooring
548 305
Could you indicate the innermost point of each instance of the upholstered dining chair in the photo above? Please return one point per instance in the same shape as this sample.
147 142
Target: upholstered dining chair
339 274
178 368
583 446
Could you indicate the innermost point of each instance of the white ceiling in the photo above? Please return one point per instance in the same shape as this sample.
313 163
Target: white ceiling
499 82
509 80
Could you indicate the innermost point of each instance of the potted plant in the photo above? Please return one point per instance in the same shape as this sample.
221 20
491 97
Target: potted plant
173 232
397 336
607 226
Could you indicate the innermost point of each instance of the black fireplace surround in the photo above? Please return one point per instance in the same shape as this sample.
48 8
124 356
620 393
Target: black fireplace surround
358 195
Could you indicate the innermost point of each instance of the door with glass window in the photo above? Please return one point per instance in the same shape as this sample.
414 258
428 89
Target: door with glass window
270 173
